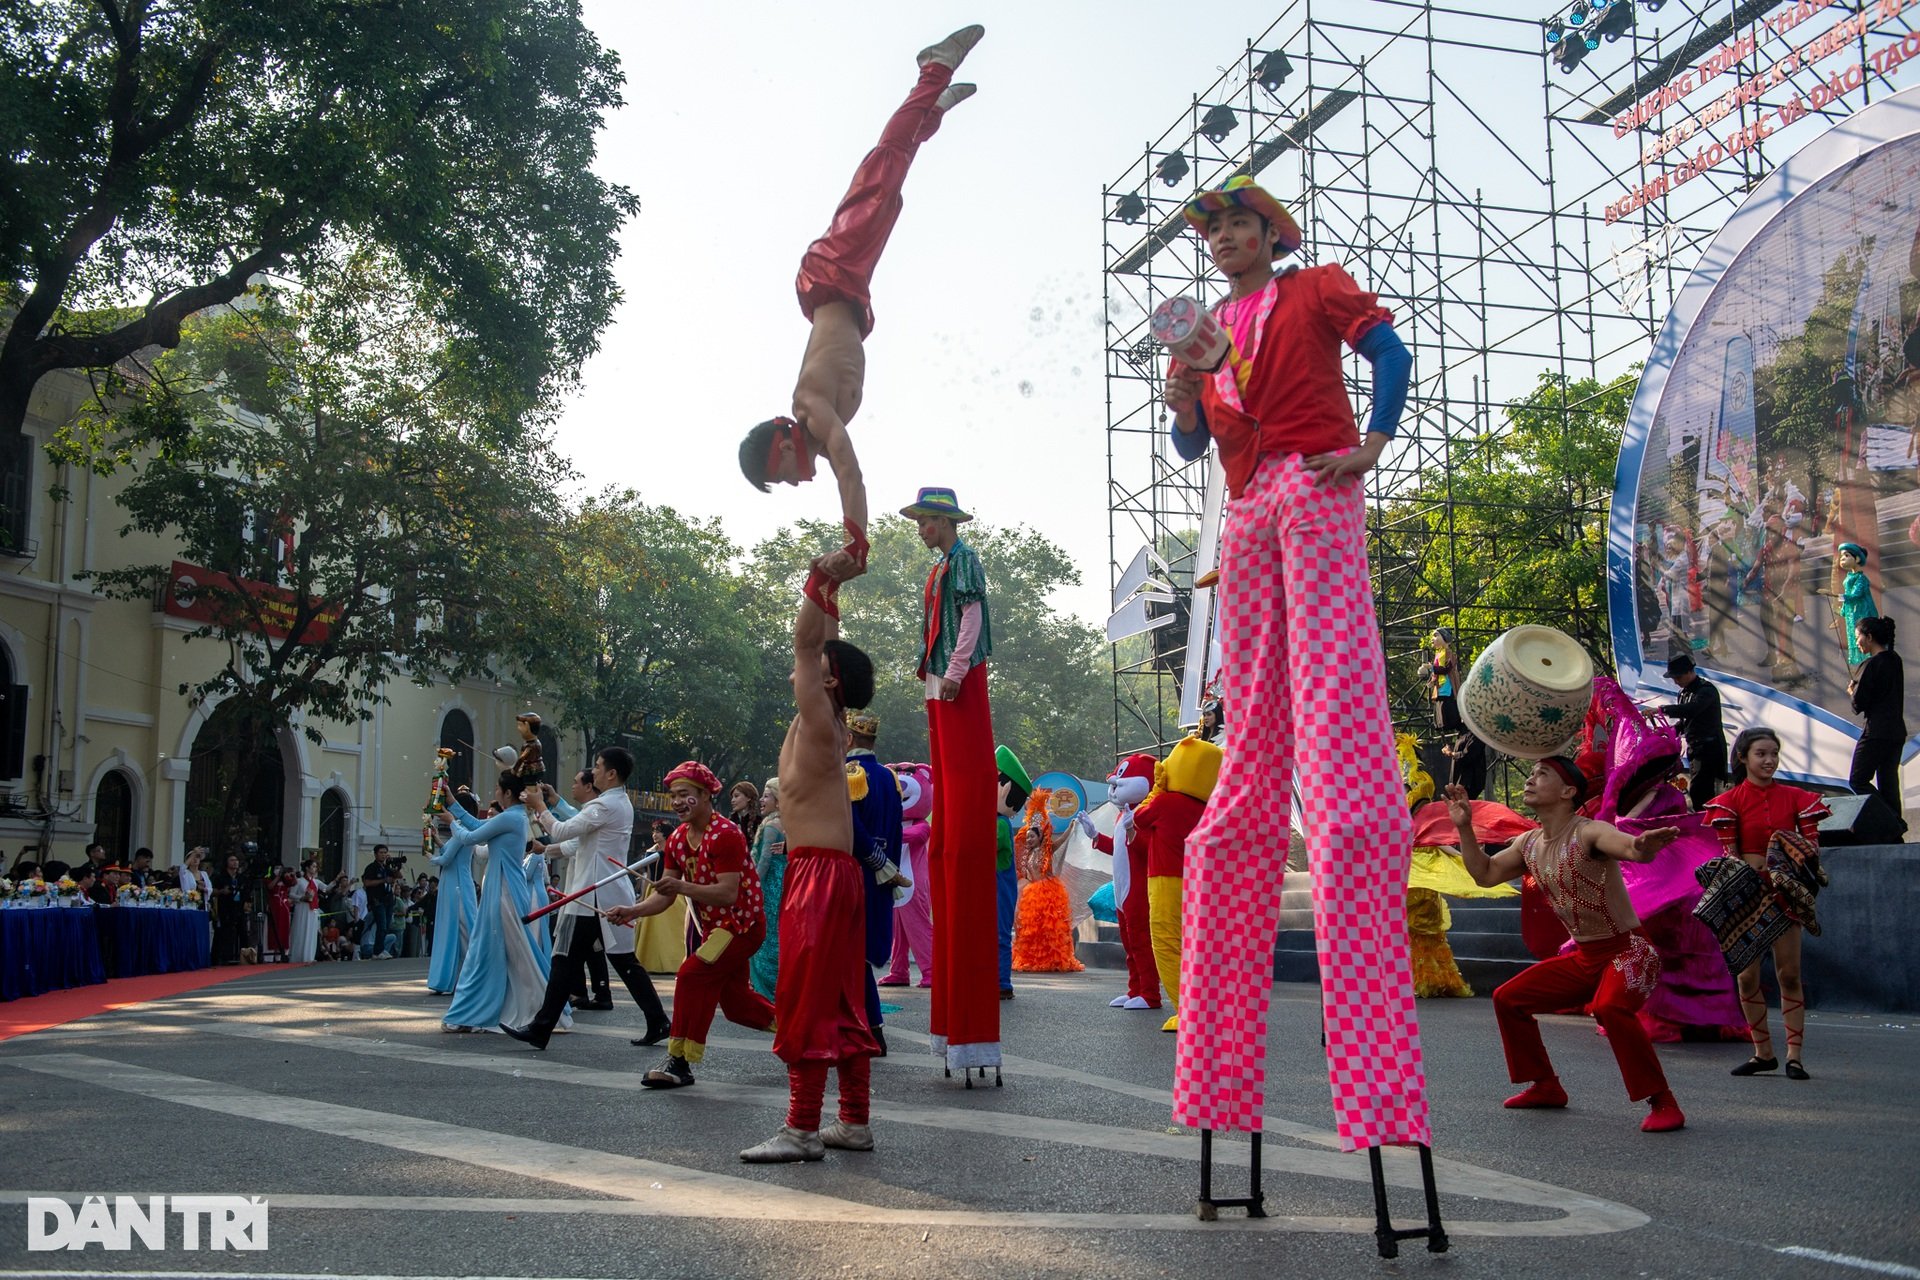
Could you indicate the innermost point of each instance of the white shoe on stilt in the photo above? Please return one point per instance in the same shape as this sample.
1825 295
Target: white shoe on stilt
1136 1002
1118 1002
952 51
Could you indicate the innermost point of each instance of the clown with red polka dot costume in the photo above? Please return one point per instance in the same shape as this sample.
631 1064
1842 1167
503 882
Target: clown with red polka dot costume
706 862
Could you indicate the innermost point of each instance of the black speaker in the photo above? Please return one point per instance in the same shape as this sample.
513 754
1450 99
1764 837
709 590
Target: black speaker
1860 820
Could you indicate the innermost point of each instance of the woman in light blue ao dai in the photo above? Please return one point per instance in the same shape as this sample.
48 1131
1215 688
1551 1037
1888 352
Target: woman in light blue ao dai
504 977
453 918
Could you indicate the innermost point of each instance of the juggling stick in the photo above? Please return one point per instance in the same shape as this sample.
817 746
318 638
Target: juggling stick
558 903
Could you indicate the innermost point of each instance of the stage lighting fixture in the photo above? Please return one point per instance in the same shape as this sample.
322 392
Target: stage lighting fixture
1617 21
1597 5
1130 209
1653 6
1172 169
1218 123
1554 32
1570 53
1273 71
1577 16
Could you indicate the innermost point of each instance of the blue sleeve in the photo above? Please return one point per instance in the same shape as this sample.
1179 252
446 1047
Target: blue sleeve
561 810
1192 445
1392 375
458 812
487 832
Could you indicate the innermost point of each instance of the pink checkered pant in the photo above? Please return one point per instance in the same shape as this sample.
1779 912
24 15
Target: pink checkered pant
1305 684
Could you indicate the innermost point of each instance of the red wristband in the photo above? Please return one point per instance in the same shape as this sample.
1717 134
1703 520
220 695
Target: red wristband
857 545
822 590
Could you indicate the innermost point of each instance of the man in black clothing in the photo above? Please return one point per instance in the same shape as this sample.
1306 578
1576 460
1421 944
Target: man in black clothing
230 890
142 872
1698 716
377 880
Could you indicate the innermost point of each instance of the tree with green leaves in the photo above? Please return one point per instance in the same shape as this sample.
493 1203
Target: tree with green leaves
1052 690
1512 531
163 154
643 642
362 517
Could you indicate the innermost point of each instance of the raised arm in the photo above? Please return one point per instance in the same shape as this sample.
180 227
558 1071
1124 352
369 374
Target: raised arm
1486 872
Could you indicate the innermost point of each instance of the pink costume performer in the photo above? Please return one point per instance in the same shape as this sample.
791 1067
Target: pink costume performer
913 921
1695 999
1304 668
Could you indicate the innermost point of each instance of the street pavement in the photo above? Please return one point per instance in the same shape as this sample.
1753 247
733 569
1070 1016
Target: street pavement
388 1148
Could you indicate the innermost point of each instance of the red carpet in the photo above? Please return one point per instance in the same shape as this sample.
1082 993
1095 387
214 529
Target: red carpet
36 1013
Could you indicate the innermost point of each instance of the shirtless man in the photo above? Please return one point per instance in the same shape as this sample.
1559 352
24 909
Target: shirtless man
1613 967
820 994
835 275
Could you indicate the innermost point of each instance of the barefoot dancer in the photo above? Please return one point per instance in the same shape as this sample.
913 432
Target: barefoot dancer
1614 967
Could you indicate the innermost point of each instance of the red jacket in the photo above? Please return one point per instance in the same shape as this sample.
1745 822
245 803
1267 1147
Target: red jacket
1746 817
1295 399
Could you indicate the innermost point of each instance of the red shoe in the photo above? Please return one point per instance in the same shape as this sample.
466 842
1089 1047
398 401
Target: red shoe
1541 1093
1665 1116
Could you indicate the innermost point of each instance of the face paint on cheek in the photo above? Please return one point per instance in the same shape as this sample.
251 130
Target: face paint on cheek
1253 242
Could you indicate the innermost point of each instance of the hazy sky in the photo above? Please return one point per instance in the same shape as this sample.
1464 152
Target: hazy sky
742 126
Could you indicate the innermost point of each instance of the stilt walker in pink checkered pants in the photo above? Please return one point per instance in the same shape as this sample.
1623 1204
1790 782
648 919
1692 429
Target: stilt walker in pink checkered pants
1304 669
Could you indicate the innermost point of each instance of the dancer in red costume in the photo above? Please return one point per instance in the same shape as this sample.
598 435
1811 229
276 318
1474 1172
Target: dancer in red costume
1614 967
1747 817
706 863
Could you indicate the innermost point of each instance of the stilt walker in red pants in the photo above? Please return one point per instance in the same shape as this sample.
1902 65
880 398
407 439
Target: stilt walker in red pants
1613 968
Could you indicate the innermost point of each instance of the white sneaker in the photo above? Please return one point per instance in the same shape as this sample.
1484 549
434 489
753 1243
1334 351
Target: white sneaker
846 1137
953 95
1118 1002
952 51
789 1146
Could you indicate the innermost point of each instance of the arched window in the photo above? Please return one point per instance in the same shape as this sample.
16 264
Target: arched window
456 735
258 815
113 816
333 832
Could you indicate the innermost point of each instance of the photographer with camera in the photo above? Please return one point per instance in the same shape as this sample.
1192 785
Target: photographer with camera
378 880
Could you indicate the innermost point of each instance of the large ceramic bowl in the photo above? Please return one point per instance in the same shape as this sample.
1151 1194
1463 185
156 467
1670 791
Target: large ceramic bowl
1528 692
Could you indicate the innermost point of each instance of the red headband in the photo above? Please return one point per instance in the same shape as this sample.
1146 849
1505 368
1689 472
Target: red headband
1570 774
802 447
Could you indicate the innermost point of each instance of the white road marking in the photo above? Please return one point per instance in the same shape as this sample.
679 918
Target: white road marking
1848 1260
659 1188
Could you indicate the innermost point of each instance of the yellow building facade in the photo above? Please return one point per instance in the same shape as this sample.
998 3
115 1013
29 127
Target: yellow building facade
97 742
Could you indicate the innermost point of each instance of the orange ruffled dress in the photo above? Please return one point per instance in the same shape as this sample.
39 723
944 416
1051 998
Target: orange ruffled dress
1043 922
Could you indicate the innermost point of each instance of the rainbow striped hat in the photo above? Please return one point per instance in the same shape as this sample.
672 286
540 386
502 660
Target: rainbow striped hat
1248 194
